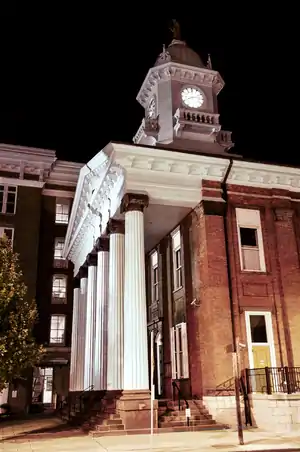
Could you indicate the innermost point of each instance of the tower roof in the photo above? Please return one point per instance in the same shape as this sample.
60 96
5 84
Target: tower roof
179 52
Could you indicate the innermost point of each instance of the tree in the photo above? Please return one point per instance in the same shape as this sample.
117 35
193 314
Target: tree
18 349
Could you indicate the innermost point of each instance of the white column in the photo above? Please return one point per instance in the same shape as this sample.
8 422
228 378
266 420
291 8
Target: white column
135 308
74 340
90 321
115 339
100 359
81 331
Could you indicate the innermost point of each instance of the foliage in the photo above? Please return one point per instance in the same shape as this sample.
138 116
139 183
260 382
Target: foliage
18 349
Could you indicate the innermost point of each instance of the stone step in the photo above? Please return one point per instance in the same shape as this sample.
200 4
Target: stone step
108 428
180 423
112 422
146 431
103 416
183 417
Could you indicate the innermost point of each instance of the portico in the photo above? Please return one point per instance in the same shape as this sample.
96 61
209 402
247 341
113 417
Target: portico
128 198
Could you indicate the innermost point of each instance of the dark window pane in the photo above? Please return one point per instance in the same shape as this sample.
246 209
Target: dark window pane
248 236
258 328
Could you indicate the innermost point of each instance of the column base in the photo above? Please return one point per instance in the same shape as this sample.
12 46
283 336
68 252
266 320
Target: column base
134 408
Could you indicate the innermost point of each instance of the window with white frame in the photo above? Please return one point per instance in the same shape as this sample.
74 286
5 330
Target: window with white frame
154 277
8 232
8 199
177 260
62 211
59 261
59 289
57 329
251 247
179 352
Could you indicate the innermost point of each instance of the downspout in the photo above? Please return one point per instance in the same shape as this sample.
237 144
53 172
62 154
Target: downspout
225 219
233 326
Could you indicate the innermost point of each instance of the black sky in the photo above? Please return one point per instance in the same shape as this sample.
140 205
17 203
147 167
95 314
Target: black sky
69 79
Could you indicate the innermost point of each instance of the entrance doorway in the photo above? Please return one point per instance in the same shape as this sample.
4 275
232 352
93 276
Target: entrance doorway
42 385
261 348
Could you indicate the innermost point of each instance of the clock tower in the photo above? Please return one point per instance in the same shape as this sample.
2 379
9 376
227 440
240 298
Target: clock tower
179 95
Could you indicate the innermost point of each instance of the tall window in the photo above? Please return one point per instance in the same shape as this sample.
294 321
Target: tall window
250 240
59 289
177 260
57 329
179 352
9 232
59 262
8 199
154 277
62 211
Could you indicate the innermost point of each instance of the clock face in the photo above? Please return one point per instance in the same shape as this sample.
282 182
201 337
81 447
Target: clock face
151 108
192 97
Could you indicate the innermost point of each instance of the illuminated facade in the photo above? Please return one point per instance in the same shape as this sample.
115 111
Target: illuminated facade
217 238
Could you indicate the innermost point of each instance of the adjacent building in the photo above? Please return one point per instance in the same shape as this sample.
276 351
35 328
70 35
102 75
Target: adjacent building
36 194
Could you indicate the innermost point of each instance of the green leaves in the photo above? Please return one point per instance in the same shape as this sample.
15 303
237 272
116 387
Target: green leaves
18 350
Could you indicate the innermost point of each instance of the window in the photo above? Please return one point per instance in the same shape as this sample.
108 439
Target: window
250 240
258 329
154 277
179 351
62 211
9 232
59 289
8 198
59 262
57 329
177 260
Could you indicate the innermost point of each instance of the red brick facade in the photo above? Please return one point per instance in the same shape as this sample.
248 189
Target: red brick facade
207 305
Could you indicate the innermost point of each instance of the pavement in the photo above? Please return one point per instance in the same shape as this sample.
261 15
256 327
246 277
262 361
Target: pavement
41 434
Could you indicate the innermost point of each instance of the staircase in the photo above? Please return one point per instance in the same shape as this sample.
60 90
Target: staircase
172 417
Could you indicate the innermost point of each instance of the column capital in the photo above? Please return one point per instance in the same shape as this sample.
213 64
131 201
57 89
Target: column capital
134 201
83 271
115 226
102 244
76 282
91 259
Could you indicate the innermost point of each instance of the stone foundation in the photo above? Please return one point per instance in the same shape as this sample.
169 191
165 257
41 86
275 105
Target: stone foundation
277 412
222 409
134 408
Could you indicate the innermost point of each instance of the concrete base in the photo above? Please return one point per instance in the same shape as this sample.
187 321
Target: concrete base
134 408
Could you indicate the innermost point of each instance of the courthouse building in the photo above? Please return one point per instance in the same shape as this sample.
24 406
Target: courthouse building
177 235
172 237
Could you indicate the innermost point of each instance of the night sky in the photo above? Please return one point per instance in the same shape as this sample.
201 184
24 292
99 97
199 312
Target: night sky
69 79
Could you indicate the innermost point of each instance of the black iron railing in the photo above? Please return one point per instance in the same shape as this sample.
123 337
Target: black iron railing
271 380
79 400
180 396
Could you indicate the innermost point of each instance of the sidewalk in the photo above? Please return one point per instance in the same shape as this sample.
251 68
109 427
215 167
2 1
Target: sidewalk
51 435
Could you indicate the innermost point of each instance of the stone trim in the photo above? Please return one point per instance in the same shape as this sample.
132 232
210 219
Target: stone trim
134 201
115 226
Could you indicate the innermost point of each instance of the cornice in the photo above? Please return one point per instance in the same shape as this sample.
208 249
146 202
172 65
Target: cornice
264 175
23 160
178 72
58 193
64 173
21 182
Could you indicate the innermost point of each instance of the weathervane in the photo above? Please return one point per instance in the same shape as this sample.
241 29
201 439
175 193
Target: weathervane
175 29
